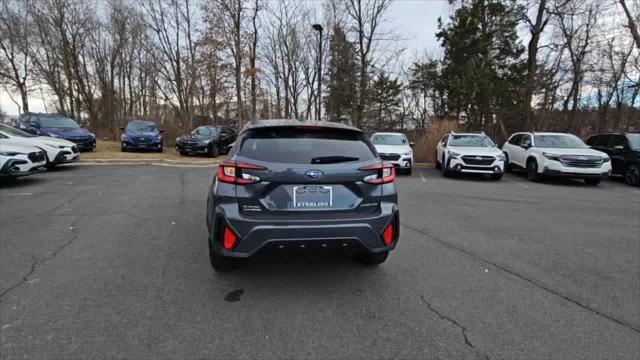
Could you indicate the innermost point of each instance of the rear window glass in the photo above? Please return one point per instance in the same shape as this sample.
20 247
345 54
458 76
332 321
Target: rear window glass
305 146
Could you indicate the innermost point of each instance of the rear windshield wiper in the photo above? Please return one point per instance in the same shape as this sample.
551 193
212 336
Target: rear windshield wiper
332 159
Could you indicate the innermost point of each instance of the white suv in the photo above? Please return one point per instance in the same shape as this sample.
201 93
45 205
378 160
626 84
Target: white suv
556 154
473 153
19 160
57 151
394 148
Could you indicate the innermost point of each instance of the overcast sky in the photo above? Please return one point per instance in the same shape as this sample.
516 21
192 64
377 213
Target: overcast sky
416 21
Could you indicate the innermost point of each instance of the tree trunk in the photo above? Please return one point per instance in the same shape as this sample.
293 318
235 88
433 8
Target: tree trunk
532 63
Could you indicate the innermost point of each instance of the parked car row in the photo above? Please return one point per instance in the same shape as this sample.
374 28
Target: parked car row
22 153
542 154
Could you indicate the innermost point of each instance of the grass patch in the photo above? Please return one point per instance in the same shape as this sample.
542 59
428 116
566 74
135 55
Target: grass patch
111 150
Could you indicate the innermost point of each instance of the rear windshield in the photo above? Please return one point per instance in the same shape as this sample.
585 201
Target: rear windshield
305 146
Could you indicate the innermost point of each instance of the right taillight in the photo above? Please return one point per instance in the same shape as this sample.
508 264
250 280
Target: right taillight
385 173
387 234
231 172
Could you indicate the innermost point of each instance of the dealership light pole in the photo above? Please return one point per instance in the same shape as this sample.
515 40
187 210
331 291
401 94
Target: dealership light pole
318 28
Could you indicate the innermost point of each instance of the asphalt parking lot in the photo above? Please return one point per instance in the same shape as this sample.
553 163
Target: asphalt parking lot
111 262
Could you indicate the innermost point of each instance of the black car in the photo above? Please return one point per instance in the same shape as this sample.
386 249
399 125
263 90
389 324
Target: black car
208 139
624 151
298 185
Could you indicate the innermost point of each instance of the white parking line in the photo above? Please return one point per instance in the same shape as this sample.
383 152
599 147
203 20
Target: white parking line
19 194
517 183
422 177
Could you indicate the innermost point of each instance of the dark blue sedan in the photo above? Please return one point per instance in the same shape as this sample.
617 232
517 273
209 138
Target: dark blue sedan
141 135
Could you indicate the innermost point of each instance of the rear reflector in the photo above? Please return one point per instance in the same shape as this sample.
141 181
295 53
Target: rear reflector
387 234
228 239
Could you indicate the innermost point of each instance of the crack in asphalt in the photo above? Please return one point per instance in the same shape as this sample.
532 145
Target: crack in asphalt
463 329
36 262
526 279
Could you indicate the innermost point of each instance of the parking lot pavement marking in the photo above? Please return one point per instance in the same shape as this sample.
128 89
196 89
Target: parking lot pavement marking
19 194
523 185
422 177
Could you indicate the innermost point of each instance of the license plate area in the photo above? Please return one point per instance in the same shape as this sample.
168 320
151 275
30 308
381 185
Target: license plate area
312 197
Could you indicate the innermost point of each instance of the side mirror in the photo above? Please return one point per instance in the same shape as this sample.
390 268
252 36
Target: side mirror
525 146
34 125
412 144
122 129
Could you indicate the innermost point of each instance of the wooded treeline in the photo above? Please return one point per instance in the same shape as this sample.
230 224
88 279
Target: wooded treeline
506 65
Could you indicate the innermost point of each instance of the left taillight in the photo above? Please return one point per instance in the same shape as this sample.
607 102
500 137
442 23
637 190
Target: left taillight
385 173
232 172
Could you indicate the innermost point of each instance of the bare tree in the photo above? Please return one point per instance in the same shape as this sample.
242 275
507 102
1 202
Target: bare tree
633 27
228 17
576 21
15 55
366 18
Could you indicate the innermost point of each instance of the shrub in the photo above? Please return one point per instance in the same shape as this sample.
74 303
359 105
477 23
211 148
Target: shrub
425 148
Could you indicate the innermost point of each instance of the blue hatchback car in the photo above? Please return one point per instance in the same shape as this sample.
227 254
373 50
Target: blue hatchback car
58 126
141 135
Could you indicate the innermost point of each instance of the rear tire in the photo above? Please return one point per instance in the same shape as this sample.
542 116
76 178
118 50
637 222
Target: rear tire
438 165
632 175
220 263
409 171
376 258
592 182
532 171
183 153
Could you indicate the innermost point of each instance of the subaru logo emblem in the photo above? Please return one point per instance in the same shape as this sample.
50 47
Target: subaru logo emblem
478 157
313 174
583 158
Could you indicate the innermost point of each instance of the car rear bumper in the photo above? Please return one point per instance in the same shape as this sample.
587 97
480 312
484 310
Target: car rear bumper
255 235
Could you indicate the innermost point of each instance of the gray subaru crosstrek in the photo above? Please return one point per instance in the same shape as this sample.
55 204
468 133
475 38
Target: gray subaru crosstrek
290 184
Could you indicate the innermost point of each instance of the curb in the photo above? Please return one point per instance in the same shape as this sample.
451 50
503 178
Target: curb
424 165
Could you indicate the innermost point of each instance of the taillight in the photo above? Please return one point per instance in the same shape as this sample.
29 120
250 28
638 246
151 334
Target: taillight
228 238
387 234
385 173
231 172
